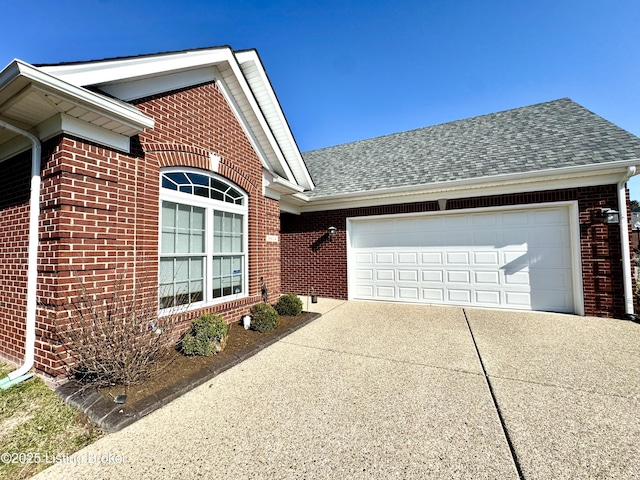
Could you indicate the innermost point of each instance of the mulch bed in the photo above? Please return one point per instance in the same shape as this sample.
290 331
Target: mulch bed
178 375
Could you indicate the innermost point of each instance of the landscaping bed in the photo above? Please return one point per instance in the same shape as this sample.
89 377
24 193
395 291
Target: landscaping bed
177 375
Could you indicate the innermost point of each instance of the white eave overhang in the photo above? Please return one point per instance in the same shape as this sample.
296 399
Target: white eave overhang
36 101
245 87
265 95
549 179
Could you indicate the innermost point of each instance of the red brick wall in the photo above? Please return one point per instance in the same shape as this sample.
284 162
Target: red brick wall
100 210
14 232
310 262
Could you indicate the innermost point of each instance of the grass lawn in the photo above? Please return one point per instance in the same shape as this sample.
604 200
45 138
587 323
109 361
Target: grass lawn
35 427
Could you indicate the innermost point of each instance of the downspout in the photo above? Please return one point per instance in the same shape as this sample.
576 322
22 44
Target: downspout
624 240
21 374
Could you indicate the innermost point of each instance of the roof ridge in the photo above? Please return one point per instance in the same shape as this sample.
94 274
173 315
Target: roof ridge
371 139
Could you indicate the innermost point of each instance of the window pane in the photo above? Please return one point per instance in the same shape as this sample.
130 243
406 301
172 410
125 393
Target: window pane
168 215
166 270
197 243
184 214
226 245
181 273
217 221
226 223
168 242
196 268
237 284
197 221
198 179
217 266
182 243
236 244
236 264
237 224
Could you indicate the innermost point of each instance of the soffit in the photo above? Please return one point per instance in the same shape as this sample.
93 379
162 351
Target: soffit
28 98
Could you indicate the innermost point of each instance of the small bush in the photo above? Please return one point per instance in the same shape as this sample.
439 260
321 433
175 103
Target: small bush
265 317
116 338
289 304
207 335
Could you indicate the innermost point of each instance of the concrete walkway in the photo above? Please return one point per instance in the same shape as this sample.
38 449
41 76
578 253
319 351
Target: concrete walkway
380 390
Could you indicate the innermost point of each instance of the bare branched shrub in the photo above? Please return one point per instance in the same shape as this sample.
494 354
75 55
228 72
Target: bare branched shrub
117 340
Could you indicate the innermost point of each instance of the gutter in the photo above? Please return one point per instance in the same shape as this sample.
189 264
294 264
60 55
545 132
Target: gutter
624 242
21 374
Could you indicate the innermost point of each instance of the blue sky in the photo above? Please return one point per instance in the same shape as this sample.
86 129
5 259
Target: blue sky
348 70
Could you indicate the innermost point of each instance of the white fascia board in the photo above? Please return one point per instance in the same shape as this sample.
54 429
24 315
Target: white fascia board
62 123
289 208
116 110
550 179
237 112
65 124
116 70
259 116
276 187
298 166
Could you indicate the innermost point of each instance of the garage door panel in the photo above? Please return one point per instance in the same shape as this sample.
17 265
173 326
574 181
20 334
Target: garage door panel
486 237
487 298
409 239
484 221
433 295
408 276
459 296
383 275
514 236
432 276
432 258
520 259
487 278
558 217
550 258
408 293
458 237
517 299
364 259
517 278
364 274
458 276
409 258
548 237
486 258
515 219
384 258
457 258
387 293
365 291
560 279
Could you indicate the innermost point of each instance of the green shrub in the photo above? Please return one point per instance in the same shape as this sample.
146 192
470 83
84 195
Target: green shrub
264 317
289 304
208 334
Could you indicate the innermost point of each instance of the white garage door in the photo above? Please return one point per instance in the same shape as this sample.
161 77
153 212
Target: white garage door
516 259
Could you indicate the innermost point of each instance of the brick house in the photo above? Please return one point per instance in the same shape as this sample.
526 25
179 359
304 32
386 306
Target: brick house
166 168
179 170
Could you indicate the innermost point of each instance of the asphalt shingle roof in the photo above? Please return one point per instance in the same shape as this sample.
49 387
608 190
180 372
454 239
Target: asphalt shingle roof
554 134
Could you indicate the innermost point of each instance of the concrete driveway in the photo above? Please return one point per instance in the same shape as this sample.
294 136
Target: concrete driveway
380 390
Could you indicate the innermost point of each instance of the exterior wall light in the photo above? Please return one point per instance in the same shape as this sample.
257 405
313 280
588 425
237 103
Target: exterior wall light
332 233
609 215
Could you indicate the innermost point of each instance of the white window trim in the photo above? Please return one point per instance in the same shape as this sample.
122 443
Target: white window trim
210 205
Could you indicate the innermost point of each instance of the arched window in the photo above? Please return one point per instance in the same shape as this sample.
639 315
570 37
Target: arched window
203 241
